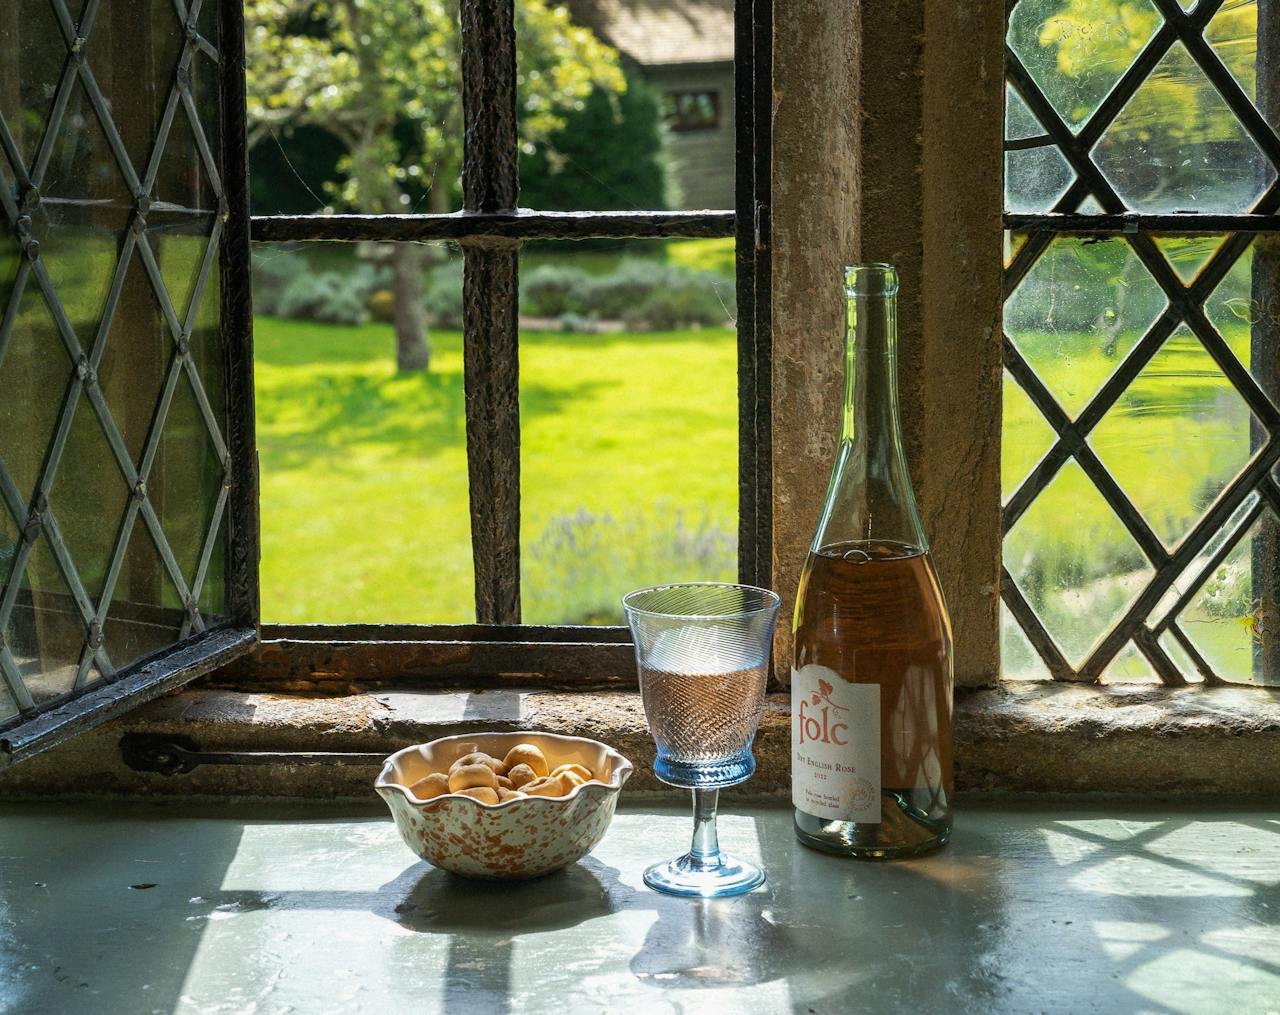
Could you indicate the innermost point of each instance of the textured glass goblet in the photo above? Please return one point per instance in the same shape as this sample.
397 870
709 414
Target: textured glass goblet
702 651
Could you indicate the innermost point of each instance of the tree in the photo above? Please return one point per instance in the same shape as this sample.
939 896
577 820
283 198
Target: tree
608 155
384 78
1079 51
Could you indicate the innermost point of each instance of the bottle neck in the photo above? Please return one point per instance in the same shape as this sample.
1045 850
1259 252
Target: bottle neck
870 506
871 370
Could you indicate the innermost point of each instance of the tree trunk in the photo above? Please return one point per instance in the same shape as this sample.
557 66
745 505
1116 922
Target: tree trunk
408 264
1264 356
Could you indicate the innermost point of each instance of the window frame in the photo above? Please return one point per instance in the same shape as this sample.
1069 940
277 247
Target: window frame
234 634
490 228
1184 307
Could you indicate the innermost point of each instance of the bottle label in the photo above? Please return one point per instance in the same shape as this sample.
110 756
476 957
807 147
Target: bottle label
835 746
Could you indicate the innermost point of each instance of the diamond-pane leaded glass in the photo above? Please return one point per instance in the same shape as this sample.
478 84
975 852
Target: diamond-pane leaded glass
1142 540
1177 146
1077 50
113 456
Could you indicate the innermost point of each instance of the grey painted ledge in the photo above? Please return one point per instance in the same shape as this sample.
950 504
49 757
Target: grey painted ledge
199 909
1038 738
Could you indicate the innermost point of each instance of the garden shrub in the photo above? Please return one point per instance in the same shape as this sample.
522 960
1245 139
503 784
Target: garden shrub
687 305
322 297
650 294
581 564
274 268
580 323
552 290
331 297
444 294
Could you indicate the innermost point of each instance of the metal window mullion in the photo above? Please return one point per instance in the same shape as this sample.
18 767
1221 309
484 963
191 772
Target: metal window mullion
491 341
1211 678
123 534
11 673
1164 667
1210 522
16 294
1128 222
1190 29
1217 557
54 124
511 224
10 148
79 594
242 544
753 99
1073 150
1024 260
1188 303
1128 84
1039 636
206 553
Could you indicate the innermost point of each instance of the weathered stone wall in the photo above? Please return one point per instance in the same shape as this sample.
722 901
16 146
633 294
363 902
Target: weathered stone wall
887 147
816 195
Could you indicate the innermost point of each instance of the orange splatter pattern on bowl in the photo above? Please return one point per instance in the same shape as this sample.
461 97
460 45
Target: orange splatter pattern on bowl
522 838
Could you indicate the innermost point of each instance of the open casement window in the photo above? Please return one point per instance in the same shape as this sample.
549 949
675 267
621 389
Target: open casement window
1142 342
127 540
128 488
492 236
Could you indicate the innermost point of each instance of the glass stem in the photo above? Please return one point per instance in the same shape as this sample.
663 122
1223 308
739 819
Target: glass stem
706 847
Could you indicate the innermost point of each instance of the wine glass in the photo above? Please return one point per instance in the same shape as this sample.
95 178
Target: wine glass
702 651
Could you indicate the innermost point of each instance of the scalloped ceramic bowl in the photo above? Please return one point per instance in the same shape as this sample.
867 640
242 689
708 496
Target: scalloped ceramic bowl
522 838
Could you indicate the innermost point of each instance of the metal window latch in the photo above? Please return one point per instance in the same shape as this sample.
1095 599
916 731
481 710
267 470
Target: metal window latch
164 754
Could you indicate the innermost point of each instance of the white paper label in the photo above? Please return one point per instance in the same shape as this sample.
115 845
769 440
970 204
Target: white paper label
835 746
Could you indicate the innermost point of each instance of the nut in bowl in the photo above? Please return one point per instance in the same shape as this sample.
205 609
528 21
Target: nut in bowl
503 805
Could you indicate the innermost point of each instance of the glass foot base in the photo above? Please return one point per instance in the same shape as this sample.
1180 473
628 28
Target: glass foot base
704 878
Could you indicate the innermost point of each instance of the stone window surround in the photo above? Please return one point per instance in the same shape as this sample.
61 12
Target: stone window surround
883 149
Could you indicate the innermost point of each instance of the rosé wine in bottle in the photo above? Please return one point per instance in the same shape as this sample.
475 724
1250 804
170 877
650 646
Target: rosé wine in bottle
871 677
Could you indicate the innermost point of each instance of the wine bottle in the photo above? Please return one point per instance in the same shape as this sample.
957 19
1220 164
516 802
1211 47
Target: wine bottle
871 676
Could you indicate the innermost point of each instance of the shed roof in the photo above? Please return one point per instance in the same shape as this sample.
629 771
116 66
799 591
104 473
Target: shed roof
658 33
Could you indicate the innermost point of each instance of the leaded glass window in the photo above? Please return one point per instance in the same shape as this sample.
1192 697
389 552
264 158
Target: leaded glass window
115 463
1142 341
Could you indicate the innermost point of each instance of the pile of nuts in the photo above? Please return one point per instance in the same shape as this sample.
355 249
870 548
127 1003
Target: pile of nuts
523 772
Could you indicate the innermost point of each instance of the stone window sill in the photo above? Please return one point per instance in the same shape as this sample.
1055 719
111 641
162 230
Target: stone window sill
1025 737
1034 907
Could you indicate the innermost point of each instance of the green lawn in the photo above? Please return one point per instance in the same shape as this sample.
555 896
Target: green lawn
1172 441
629 476
629 462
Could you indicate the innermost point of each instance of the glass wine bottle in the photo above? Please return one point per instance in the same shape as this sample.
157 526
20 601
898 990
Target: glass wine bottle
871 744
